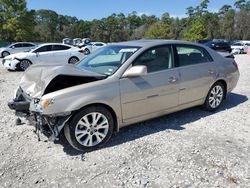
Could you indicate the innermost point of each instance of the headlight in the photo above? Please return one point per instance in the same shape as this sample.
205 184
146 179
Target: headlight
47 102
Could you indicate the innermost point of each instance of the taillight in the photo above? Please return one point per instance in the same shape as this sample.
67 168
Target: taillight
235 64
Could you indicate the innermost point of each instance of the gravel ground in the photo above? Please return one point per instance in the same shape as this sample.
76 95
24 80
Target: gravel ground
191 148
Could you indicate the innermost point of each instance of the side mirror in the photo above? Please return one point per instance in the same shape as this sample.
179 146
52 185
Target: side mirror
136 71
37 54
13 47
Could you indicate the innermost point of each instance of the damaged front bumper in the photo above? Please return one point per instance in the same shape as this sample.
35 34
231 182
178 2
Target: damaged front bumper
10 64
50 125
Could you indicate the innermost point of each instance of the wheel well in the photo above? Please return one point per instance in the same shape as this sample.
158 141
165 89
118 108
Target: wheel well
4 51
224 84
27 60
73 57
116 129
18 64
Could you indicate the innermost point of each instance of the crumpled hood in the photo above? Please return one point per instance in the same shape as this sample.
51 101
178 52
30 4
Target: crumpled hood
19 55
36 78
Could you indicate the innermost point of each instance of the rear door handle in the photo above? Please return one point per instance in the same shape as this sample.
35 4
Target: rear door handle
172 79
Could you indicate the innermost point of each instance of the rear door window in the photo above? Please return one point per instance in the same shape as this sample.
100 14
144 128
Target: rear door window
60 47
191 55
26 45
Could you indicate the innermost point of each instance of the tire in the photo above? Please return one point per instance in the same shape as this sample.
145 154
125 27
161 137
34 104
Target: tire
4 54
86 51
73 60
24 64
85 135
215 97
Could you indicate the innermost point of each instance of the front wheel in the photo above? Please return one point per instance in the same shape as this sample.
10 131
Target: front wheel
215 97
24 64
90 128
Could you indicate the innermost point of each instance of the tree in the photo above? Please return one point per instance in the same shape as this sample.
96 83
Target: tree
212 25
47 25
196 32
202 8
240 4
165 18
159 30
224 9
16 22
227 25
242 28
190 11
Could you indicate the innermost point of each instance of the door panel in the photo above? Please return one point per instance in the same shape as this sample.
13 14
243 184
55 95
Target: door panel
154 92
149 94
45 57
195 81
61 54
197 72
44 54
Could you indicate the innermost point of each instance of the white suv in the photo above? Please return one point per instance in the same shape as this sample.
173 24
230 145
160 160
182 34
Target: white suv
16 47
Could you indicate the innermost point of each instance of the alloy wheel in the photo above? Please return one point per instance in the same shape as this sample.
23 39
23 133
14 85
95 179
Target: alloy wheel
216 96
24 64
92 129
73 60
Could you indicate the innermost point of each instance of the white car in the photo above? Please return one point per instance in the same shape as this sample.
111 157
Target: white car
16 47
239 48
51 53
92 47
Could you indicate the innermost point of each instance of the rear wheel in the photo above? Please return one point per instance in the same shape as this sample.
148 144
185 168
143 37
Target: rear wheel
73 60
5 53
215 97
86 51
24 64
90 128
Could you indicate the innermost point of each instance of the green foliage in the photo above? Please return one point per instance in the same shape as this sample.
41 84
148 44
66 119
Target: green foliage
16 22
196 32
227 23
159 30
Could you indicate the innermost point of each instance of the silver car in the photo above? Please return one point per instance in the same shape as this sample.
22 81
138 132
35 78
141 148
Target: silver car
122 84
16 48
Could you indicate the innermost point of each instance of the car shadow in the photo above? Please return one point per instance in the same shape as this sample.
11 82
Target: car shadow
174 121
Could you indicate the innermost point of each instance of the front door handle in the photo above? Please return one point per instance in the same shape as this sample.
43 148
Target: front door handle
172 79
211 71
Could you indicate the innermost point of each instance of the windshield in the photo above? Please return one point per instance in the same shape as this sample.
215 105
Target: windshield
108 59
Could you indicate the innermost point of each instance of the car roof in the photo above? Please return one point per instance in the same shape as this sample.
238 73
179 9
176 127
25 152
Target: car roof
23 43
153 42
45 44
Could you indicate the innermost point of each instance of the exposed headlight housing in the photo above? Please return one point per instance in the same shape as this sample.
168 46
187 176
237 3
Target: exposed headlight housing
47 102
